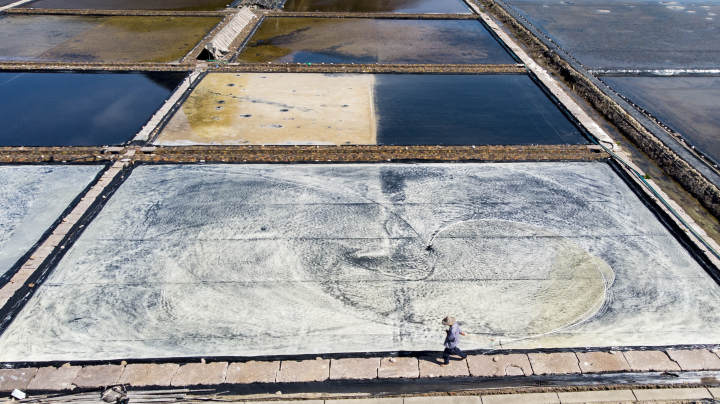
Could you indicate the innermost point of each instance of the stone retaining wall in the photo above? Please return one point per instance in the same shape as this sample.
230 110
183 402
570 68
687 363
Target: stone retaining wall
308 154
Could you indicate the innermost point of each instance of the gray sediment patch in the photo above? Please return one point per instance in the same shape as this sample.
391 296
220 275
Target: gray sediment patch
603 34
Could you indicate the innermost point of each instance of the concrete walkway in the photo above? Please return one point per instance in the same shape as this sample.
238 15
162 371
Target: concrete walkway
602 396
667 395
483 367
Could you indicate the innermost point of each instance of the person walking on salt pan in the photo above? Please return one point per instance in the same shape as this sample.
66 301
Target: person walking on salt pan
452 340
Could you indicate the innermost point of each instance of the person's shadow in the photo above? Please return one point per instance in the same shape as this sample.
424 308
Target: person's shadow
435 357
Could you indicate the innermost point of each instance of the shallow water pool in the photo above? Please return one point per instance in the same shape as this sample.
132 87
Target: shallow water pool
364 40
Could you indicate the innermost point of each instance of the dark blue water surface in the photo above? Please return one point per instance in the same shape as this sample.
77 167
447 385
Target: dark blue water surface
507 109
79 109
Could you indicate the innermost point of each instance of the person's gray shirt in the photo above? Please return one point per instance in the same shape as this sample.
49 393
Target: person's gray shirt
453 336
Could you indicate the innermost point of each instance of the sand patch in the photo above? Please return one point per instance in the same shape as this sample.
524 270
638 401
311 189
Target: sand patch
256 108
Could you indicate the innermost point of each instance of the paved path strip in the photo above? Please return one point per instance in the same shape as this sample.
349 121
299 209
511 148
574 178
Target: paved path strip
43 251
674 395
67 377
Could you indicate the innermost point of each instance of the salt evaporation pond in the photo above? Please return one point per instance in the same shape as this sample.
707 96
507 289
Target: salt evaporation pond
688 105
245 260
177 5
79 109
364 40
631 34
385 109
47 38
31 200
379 6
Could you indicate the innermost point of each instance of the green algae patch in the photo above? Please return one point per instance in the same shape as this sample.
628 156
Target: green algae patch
116 39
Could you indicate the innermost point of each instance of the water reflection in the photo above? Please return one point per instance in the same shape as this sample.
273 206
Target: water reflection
468 109
378 6
632 34
363 40
79 109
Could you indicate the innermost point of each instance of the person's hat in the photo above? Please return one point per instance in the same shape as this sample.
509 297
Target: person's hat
448 320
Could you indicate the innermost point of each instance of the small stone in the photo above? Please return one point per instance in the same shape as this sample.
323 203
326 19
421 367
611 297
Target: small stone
18 394
499 365
252 372
399 368
554 363
196 374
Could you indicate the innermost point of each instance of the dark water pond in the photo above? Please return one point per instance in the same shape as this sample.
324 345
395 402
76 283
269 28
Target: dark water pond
126 39
364 40
631 34
378 6
181 5
688 105
468 109
79 109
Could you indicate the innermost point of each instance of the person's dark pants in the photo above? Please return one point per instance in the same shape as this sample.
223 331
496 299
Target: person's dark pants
452 351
